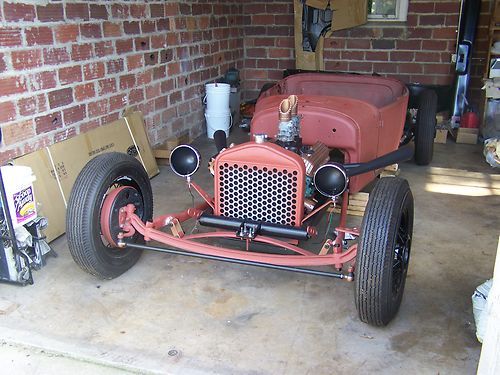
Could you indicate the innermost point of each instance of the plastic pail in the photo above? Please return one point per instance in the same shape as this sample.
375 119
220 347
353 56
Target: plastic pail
218 121
217 97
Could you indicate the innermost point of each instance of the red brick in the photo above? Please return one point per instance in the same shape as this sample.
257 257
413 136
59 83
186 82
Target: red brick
70 74
402 56
47 123
447 7
157 10
444 33
148 27
411 45
151 58
102 49
134 62
16 11
6 155
376 56
39 36
437 68
127 81
10 37
107 86
54 56
91 30
66 33
136 96
117 102
18 132
358 44
410 68
434 45
131 27
93 70
171 9
7 111
415 7
419 33
27 106
431 20
50 12
26 59
385 68
109 118
138 10
77 11
427 57
85 91
280 53
98 12
98 108
144 78
81 52
359 66
383 44
43 80
352 55
114 66
3 66
120 11
124 46
60 98
74 114
112 29
158 41
64 134
141 44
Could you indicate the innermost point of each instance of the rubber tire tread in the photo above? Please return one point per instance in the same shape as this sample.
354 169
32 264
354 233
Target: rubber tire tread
83 213
373 279
425 131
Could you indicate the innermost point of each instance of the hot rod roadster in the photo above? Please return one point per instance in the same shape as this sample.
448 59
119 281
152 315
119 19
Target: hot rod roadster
306 153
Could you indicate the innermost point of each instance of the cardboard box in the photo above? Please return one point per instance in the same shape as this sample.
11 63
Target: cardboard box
441 136
56 167
467 135
163 151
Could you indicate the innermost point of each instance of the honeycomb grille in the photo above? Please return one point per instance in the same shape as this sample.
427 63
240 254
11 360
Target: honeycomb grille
258 193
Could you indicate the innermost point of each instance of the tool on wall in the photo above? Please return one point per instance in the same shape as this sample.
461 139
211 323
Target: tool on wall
315 20
469 16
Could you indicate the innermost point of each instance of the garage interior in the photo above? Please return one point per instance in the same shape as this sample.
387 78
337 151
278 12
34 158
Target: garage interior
70 68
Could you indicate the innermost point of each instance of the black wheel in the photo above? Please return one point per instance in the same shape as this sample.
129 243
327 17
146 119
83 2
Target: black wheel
105 184
384 251
425 127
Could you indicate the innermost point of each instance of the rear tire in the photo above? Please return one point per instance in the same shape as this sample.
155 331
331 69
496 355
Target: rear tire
83 223
384 251
425 129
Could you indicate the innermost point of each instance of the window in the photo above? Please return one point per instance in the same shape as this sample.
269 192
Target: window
387 10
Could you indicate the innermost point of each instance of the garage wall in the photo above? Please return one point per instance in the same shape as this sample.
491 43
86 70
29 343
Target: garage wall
69 66
418 50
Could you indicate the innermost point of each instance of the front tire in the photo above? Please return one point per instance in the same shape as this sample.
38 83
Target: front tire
384 251
87 244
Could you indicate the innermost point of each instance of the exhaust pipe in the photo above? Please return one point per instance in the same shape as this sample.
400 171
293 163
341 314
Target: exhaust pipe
400 155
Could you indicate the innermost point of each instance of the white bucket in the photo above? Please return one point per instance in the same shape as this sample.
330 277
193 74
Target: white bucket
18 184
218 121
217 97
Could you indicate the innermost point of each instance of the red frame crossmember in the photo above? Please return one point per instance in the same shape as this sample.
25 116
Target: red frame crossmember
131 224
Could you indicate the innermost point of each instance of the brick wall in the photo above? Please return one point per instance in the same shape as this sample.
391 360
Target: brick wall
418 50
69 66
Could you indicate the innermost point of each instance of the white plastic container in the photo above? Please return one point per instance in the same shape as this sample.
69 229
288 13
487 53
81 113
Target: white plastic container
217 97
218 121
18 184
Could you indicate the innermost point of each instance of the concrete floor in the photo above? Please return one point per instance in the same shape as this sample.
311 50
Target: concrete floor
180 315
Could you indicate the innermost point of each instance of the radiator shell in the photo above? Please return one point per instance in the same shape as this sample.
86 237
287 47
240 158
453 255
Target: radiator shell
262 182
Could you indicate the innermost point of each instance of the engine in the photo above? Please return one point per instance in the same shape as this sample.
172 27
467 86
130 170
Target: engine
270 181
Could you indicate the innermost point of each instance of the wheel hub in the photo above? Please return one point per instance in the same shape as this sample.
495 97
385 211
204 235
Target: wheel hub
111 218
